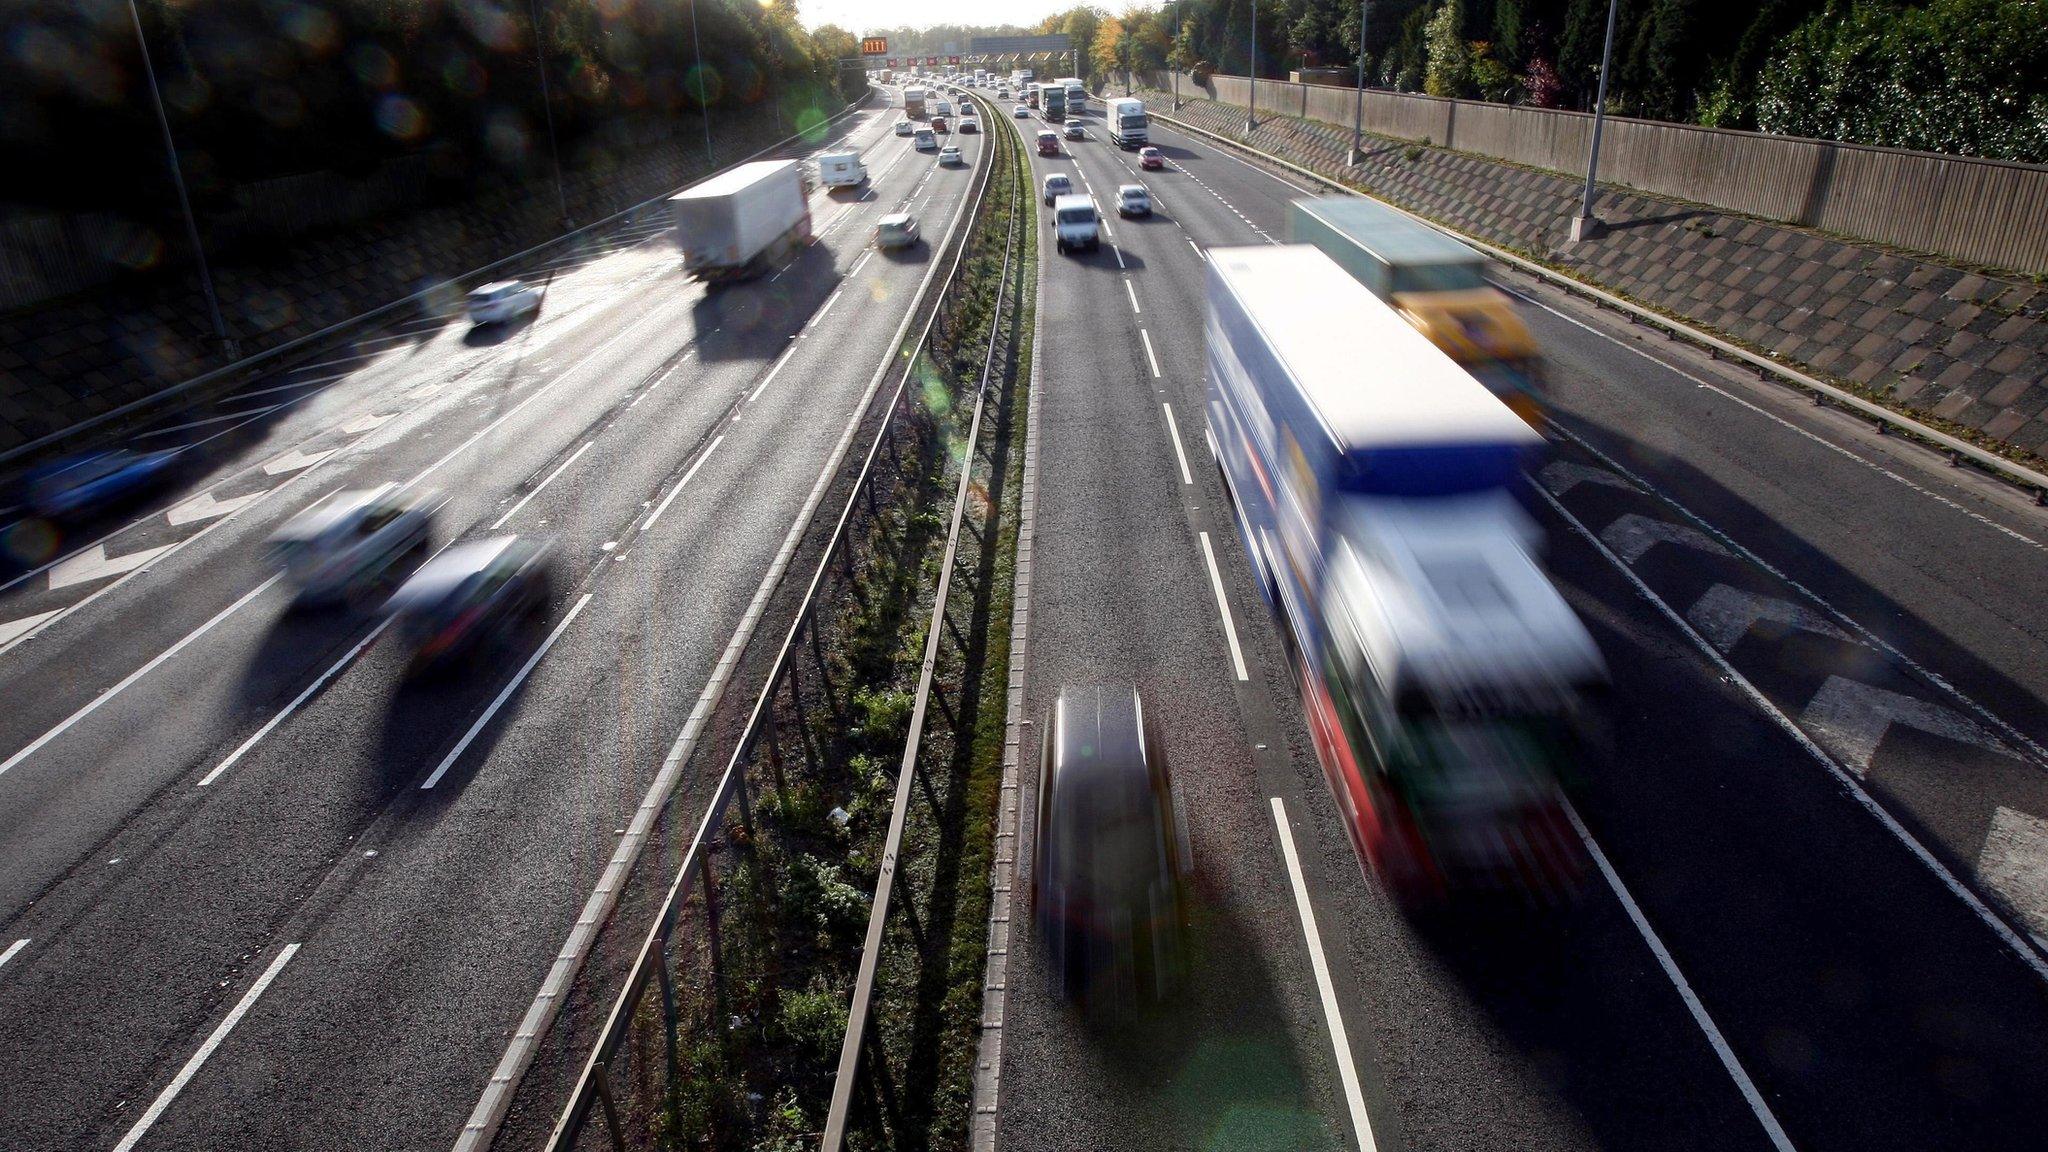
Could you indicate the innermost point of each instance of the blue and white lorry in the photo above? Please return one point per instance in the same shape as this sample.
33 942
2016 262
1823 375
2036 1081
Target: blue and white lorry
1444 678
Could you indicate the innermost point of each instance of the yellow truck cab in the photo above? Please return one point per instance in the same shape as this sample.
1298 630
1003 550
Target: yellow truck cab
1480 329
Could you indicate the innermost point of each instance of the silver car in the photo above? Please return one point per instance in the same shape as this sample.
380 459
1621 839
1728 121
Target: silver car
896 230
502 301
343 547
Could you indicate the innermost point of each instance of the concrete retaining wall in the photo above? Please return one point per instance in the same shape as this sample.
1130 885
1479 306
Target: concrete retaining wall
1977 211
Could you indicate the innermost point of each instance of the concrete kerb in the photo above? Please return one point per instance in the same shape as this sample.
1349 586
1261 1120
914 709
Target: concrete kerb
300 343
2017 474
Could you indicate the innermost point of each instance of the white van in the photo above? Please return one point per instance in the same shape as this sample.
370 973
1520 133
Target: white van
841 170
1076 223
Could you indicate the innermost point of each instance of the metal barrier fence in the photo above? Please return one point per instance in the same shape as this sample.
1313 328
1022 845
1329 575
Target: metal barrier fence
1987 212
654 967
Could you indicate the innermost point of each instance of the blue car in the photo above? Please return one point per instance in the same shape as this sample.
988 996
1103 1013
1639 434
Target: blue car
79 487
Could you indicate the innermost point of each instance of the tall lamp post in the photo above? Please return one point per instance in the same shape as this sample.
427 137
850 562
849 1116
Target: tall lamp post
1251 100
1358 105
1174 73
547 106
1585 225
703 101
163 122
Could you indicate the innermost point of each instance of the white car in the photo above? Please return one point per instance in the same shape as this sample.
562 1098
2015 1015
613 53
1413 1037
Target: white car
1021 111
1133 200
1076 131
896 230
905 127
343 546
1056 185
950 154
502 301
925 140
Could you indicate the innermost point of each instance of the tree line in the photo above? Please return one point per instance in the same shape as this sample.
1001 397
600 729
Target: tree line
1961 76
261 88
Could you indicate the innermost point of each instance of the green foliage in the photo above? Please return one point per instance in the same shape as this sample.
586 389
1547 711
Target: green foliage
1450 57
1961 76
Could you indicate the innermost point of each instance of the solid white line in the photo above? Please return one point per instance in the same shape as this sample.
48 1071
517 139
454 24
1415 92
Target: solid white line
1340 1041
1133 293
221 419
1223 607
770 377
519 678
1173 434
192 1066
1147 338
1692 1001
1823 441
1845 778
316 381
298 700
13 948
132 677
684 482
500 521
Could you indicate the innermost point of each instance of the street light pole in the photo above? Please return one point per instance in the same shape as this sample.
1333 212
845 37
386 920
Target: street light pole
1585 226
1358 105
163 121
703 101
1172 72
1251 100
547 106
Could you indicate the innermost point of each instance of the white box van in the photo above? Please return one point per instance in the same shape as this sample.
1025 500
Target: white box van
1076 223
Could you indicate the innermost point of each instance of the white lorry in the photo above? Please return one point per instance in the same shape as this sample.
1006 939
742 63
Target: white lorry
737 223
841 170
1077 94
1125 118
1447 684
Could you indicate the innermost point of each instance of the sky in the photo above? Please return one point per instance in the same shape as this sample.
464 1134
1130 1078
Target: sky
857 15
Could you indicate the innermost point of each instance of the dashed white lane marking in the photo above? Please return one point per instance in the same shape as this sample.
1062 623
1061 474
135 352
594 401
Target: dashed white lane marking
286 712
163 1099
1173 434
66 725
2019 946
1340 1040
1119 254
857 263
559 469
1154 360
770 377
12 949
1743 1083
1223 605
1198 249
296 461
816 320
505 694
1133 292
684 482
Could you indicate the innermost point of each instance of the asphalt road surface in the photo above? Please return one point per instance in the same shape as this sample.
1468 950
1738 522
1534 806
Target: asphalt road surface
1820 826
266 892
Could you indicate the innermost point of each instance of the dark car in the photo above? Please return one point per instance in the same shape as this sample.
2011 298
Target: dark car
79 487
939 124
1111 866
470 596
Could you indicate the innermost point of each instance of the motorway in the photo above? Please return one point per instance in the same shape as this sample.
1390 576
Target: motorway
259 890
1821 823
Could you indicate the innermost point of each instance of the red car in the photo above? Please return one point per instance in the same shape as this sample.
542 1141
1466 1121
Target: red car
1151 158
1048 144
939 124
